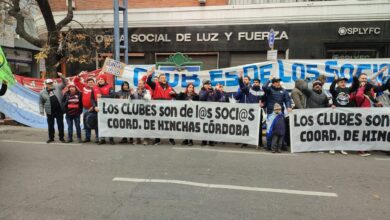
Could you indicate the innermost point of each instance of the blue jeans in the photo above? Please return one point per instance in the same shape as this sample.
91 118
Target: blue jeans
88 130
76 120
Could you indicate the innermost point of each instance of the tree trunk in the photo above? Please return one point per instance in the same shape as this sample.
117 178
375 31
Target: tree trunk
53 58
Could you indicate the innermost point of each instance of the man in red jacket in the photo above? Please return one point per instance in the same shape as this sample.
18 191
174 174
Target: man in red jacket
161 91
102 90
86 89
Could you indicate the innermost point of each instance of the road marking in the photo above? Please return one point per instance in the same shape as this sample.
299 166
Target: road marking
232 187
232 151
382 158
37 142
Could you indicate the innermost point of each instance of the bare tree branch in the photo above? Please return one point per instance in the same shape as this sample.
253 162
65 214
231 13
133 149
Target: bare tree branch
68 17
47 14
15 12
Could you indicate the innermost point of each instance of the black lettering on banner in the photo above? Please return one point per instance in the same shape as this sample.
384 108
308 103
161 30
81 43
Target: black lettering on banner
351 135
149 125
168 111
375 136
186 112
110 109
123 123
319 135
378 120
303 121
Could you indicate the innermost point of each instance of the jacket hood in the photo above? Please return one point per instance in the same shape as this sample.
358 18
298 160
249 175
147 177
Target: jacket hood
300 84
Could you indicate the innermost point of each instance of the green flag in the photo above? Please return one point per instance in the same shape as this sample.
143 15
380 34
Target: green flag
5 70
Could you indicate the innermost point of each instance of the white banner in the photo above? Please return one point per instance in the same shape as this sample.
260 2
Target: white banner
287 70
355 129
212 121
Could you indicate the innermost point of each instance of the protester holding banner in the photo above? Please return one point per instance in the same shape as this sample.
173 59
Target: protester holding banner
125 93
188 95
73 107
161 91
102 90
50 101
86 89
3 88
248 93
315 97
297 95
207 94
144 94
340 94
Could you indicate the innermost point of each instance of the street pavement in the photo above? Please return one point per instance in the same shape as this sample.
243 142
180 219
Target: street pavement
87 181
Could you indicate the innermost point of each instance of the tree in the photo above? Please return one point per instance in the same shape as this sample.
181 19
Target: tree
61 44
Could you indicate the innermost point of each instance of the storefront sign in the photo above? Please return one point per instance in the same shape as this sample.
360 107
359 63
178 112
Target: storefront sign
359 31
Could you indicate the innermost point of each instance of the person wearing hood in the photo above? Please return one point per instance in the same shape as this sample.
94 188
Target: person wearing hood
73 107
3 88
316 98
102 90
161 90
297 95
125 93
50 101
252 94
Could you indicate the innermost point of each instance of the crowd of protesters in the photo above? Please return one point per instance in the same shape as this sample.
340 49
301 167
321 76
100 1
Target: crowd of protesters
82 96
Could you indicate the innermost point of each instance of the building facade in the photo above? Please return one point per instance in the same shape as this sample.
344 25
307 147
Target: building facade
229 33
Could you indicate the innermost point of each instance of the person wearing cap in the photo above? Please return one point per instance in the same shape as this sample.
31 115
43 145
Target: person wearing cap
340 94
207 94
3 88
102 90
73 107
315 97
50 101
276 128
275 94
86 89
250 93
125 93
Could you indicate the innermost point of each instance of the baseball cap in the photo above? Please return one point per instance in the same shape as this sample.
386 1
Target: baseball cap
48 81
274 80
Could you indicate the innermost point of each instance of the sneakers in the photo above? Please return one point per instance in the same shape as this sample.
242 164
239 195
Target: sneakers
332 152
112 142
185 142
156 142
69 141
363 154
204 143
343 152
190 143
145 142
62 140
172 141
49 141
97 141
102 142
244 145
